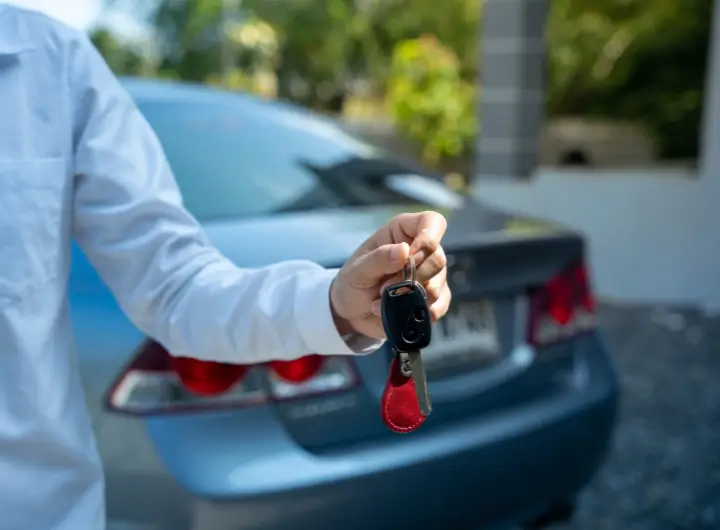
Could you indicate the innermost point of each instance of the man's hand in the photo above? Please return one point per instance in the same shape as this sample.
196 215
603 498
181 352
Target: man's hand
380 260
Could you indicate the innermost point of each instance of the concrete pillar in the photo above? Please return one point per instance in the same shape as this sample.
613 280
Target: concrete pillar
706 235
710 139
513 82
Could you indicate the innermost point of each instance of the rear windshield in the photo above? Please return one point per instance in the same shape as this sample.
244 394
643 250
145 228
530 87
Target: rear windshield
229 166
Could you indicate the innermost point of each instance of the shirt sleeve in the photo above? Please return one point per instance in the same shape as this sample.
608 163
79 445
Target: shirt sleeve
130 221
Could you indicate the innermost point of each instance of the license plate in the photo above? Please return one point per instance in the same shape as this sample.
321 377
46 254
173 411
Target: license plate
467 335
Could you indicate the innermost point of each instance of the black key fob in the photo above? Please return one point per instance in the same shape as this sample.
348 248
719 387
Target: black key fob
406 316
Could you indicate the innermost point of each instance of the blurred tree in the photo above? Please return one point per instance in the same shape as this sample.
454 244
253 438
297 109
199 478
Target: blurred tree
630 59
210 41
316 39
633 60
324 43
190 37
455 23
327 45
124 59
429 101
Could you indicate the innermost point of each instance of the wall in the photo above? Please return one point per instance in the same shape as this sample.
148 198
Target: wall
644 227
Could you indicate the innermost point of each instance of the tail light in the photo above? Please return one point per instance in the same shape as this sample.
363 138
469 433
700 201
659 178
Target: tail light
207 378
562 308
156 382
297 371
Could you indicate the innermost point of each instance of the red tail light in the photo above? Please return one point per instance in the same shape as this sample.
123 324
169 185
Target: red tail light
207 378
299 370
158 383
563 308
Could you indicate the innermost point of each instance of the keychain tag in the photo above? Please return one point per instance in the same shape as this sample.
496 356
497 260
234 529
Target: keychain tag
399 404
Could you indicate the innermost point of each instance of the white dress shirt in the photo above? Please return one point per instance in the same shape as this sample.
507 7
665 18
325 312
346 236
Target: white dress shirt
77 159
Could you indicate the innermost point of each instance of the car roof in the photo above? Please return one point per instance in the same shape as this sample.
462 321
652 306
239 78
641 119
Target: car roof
329 140
153 90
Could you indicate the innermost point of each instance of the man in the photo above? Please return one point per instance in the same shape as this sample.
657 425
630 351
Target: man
78 160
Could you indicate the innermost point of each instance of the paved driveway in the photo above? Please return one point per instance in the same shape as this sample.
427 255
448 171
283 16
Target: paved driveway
664 472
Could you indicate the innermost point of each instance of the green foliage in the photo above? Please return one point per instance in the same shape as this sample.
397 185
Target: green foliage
635 60
455 23
209 41
189 35
317 40
253 44
328 43
119 56
428 99
632 60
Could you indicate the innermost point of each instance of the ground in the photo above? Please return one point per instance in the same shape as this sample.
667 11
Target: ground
664 470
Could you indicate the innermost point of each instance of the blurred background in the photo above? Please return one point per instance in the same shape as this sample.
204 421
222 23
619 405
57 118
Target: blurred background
612 65
570 89
599 114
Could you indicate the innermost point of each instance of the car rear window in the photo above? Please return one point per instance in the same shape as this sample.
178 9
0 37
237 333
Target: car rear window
229 163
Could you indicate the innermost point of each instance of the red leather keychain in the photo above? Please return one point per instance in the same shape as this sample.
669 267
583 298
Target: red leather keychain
400 408
405 403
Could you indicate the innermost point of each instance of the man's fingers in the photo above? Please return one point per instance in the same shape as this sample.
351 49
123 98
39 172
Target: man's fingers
435 286
432 266
439 303
440 308
427 232
396 278
374 267
437 290
433 272
431 222
422 231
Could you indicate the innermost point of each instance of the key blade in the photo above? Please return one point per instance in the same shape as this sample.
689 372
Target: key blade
420 380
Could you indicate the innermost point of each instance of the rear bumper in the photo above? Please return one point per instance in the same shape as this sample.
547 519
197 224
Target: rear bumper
482 472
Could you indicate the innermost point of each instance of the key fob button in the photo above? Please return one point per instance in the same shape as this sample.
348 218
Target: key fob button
420 314
411 334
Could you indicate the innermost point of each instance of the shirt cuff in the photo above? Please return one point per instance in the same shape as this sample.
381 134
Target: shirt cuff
313 317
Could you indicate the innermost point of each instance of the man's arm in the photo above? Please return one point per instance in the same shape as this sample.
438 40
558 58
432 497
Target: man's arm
129 220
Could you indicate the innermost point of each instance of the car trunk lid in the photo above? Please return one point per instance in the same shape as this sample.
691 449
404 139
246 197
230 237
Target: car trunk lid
480 358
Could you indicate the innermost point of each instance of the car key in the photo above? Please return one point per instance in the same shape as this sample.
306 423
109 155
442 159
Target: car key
408 327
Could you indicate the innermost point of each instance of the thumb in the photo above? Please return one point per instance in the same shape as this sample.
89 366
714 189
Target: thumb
373 267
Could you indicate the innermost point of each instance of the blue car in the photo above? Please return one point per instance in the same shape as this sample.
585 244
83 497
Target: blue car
523 388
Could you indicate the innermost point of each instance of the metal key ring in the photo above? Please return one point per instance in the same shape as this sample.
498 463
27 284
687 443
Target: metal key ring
410 265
